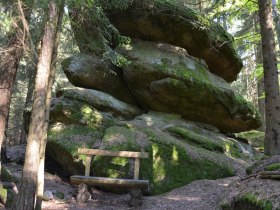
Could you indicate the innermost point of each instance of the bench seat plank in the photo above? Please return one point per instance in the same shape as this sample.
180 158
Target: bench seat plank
128 154
102 181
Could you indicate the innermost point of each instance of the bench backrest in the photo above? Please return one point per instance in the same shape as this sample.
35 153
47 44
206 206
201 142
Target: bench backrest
90 152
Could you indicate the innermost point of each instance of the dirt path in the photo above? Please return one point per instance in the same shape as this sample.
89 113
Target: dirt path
198 195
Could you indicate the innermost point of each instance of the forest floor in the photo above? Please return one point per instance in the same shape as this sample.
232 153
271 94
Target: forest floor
198 195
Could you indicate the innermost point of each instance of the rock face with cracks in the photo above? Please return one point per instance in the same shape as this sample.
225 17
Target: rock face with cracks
164 78
179 73
179 151
172 22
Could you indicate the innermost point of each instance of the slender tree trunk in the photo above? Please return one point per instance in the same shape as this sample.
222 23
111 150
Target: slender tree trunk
261 102
40 181
9 62
29 95
271 83
276 19
31 75
26 197
260 83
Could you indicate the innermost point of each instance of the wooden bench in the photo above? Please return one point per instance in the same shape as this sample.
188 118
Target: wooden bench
134 184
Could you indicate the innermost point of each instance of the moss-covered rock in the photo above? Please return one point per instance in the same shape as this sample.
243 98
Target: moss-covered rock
90 71
172 22
89 106
248 201
213 143
69 112
64 141
169 165
172 162
172 81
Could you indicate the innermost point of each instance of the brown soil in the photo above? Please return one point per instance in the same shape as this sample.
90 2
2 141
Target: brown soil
198 195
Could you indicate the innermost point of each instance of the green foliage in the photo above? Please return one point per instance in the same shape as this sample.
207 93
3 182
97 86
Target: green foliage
116 58
89 16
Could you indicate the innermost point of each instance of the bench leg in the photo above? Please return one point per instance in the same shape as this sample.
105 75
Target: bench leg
135 197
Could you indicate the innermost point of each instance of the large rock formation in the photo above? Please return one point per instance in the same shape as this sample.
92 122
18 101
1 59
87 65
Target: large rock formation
174 23
164 78
179 151
158 77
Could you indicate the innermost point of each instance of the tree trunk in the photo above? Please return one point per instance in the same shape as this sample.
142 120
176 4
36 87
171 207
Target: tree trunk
30 89
261 102
276 20
32 74
41 170
271 84
260 84
26 197
9 62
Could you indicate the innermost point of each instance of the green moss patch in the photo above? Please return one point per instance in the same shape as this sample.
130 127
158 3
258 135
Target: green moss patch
255 138
272 167
74 136
251 201
217 145
194 138
72 111
64 142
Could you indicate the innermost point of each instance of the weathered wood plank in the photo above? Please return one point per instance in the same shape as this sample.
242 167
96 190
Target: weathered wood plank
101 181
88 161
270 175
128 154
136 168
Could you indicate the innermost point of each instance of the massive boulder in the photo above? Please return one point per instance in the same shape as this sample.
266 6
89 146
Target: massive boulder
174 23
172 81
179 151
92 72
164 78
